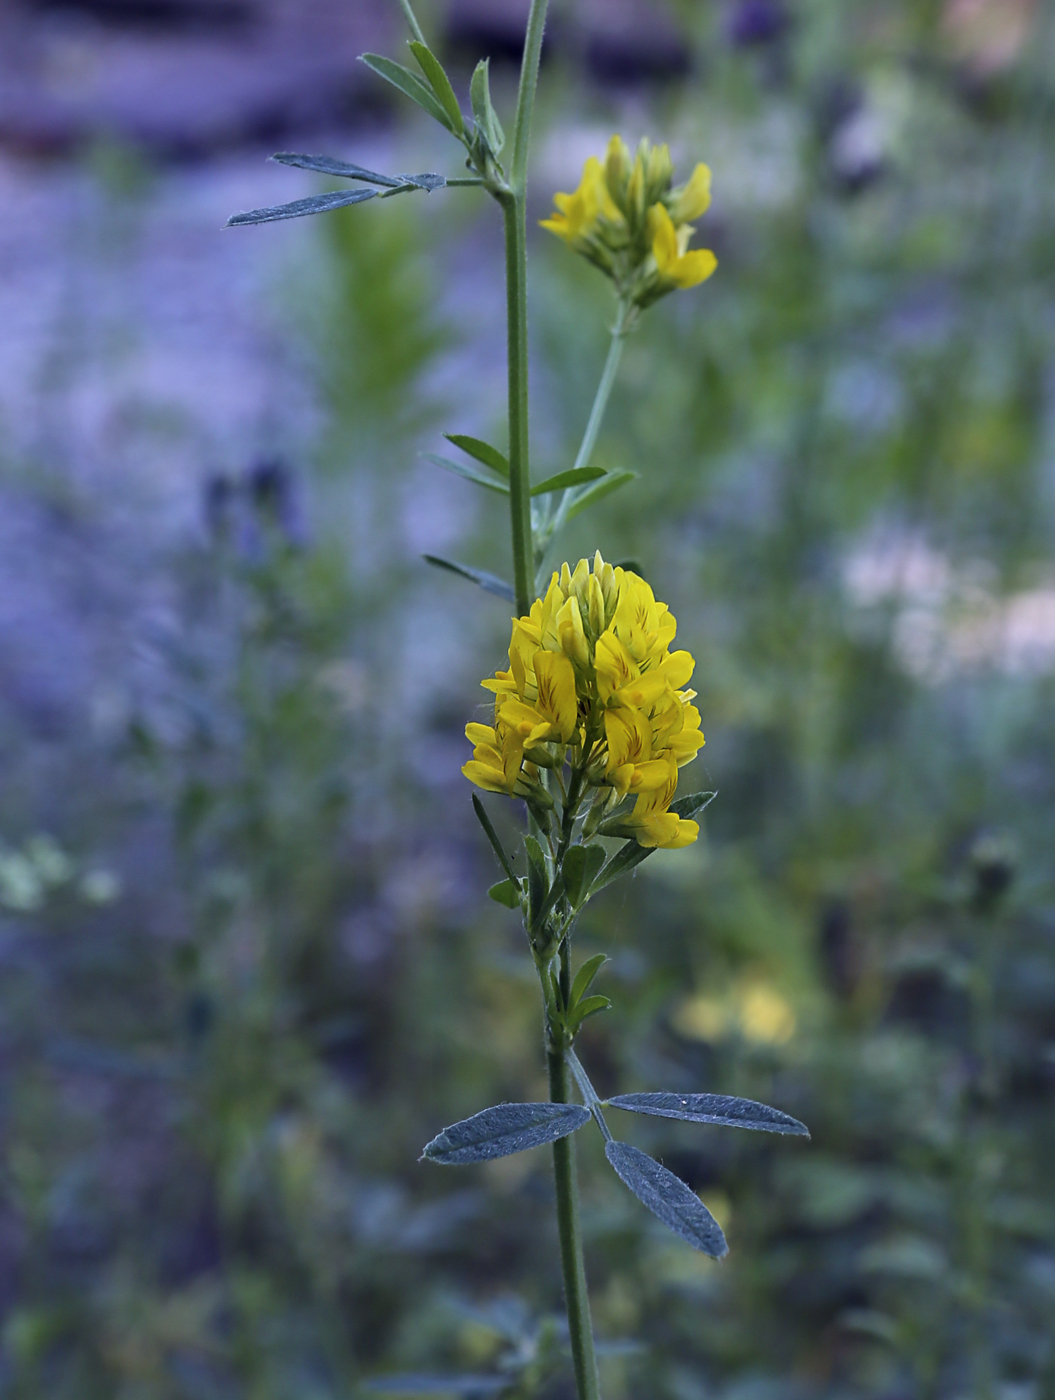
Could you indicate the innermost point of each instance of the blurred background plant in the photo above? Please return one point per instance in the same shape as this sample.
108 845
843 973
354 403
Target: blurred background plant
234 932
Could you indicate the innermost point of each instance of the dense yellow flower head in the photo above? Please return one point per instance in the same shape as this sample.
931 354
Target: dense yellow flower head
629 219
592 682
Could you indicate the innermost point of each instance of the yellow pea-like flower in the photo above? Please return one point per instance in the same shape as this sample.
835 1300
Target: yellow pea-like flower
593 686
674 262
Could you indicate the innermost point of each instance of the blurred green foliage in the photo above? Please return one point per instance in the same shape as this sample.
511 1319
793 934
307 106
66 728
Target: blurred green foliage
219 1076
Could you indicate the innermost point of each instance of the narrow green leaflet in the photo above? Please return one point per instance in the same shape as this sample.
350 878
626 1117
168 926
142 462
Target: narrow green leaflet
713 1108
466 1386
624 860
490 583
538 879
440 84
328 165
580 868
488 482
575 477
482 452
585 975
667 1197
313 204
484 114
506 892
492 836
693 804
593 494
503 1130
409 84
589 1007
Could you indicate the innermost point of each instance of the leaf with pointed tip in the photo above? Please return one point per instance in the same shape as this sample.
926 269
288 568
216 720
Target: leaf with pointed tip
503 1130
490 583
409 84
667 1197
344 170
692 804
585 975
586 1008
576 477
713 1108
492 836
488 482
484 114
506 892
440 84
465 1386
538 879
611 482
482 452
299 208
580 867
624 860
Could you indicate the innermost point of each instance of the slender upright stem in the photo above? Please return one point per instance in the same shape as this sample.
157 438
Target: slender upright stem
576 1296
411 19
519 468
526 95
604 391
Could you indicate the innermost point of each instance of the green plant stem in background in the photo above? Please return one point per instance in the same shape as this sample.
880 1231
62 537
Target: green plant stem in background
576 1295
514 211
414 26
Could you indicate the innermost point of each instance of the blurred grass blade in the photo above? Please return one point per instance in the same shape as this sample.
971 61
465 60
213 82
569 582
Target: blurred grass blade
667 1197
299 208
488 482
492 836
712 1108
409 84
484 114
503 1130
574 477
490 583
440 84
482 452
593 494
328 165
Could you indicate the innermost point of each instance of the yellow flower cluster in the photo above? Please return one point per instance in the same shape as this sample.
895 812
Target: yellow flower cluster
592 682
628 219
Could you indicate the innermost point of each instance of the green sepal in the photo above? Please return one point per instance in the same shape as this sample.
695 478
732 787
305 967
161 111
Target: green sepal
538 879
506 892
580 868
492 836
482 452
409 84
611 482
589 1007
488 482
577 476
585 975
490 583
484 114
440 84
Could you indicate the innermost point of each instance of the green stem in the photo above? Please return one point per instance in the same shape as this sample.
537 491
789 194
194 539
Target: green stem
519 468
414 26
576 1296
526 94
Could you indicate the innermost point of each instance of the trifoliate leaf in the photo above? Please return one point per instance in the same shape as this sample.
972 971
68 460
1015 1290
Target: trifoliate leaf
506 892
490 583
593 494
576 477
409 84
667 1197
299 208
503 1130
440 84
488 482
713 1108
482 451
